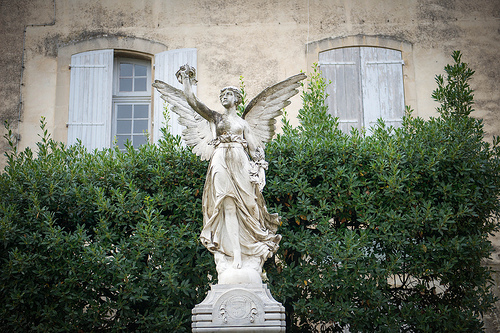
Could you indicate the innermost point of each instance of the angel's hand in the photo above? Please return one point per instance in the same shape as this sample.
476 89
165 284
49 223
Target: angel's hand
259 154
186 73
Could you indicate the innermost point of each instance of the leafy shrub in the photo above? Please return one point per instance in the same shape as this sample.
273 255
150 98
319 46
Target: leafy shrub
385 233
103 241
380 233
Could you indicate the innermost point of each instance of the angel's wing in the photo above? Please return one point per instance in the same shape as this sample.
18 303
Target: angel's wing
262 111
198 132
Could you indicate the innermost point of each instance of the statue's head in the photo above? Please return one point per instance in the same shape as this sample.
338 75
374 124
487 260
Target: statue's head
238 97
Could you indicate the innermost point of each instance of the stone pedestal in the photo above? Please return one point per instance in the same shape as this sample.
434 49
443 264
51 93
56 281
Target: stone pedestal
239 308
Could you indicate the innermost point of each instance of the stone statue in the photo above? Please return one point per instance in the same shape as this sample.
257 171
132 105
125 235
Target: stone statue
237 228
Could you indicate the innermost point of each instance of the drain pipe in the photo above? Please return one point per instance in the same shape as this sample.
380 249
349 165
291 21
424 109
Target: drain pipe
21 83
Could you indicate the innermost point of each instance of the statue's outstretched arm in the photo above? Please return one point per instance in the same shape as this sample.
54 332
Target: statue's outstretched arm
252 143
196 117
258 164
184 76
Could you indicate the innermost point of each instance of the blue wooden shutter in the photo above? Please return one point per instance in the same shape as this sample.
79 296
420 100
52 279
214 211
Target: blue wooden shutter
90 99
366 84
166 65
382 84
342 68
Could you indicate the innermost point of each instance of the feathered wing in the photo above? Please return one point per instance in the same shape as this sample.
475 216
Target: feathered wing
262 111
198 132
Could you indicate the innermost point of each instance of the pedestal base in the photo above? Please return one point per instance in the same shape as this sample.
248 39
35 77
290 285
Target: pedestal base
239 308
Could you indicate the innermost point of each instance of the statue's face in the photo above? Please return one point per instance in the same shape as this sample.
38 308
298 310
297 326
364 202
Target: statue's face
227 98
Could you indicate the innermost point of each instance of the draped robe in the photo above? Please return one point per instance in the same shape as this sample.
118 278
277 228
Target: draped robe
228 176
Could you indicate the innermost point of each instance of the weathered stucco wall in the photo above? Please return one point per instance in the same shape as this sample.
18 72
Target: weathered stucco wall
15 17
263 40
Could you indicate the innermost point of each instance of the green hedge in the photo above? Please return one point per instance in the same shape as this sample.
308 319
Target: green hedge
101 242
381 233
412 205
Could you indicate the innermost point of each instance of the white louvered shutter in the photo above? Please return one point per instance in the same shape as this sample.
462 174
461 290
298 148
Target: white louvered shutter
166 65
90 99
342 68
382 84
366 84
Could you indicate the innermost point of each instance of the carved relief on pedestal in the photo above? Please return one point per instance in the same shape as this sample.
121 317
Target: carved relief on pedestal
239 306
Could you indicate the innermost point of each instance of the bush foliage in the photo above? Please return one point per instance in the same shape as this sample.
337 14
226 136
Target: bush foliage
381 233
101 242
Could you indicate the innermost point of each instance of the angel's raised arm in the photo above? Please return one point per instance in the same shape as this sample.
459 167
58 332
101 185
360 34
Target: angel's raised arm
183 75
198 131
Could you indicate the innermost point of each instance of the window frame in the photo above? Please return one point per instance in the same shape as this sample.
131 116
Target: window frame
164 65
409 77
132 97
116 76
114 137
367 84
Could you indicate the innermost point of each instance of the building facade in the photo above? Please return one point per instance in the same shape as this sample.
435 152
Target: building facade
87 65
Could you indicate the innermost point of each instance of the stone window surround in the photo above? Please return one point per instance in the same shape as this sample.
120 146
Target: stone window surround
130 47
314 48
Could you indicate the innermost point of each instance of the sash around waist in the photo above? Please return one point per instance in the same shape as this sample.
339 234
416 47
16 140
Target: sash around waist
229 145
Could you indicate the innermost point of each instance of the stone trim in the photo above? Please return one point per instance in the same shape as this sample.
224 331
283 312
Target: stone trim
124 46
314 48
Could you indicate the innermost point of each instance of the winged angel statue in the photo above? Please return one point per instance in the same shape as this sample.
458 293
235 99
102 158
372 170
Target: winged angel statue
237 228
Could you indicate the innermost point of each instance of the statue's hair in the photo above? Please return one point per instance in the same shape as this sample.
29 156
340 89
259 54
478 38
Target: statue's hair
237 93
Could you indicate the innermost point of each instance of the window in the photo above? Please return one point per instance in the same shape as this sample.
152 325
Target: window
366 84
131 102
111 99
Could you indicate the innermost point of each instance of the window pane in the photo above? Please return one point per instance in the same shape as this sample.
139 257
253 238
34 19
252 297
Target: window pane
126 69
140 84
123 126
132 100
140 126
122 139
124 111
125 84
139 140
141 70
141 111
